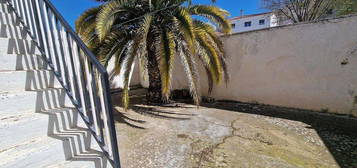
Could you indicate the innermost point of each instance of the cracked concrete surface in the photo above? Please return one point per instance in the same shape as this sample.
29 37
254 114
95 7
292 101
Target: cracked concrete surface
184 136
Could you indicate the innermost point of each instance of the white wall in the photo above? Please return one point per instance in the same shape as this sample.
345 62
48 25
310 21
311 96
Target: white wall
118 81
270 21
295 66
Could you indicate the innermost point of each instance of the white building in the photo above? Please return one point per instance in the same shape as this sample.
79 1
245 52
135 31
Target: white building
253 22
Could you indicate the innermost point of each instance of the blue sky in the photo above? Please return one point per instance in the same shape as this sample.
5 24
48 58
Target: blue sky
71 9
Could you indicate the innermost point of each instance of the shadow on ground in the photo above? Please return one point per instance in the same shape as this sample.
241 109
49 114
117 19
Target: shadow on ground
138 106
338 133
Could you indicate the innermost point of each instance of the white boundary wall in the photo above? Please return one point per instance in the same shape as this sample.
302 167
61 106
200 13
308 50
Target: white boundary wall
295 66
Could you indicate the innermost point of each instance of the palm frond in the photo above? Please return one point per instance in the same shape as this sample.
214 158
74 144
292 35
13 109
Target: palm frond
186 27
189 64
215 14
212 54
143 33
136 49
113 48
87 18
124 30
216 42
166 57
107 16
127 72
207 62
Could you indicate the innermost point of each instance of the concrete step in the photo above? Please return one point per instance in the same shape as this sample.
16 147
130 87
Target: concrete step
15 32
65 146
32 101
9 19
41 146
4 8
30 80
31 125
96 162
11 62
43 152
18 46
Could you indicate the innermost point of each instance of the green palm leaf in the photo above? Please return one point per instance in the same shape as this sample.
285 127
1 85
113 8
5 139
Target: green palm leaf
155 32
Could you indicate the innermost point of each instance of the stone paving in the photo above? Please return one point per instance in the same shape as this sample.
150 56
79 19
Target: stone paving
227 135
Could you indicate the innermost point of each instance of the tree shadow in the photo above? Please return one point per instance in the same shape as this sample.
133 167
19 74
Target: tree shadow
339 133
139 107
123 118
159 113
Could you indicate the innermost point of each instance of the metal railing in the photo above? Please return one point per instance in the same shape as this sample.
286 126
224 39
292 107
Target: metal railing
84 79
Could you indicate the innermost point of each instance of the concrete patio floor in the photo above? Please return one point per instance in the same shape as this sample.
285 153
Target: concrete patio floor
232 135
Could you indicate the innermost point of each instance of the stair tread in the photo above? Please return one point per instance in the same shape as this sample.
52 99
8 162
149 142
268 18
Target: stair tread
9 18
23 92
11 25
76 164
6 38
15 80
16 62
18 46
43 144
28 125
54 98
22 71
41 150
14 31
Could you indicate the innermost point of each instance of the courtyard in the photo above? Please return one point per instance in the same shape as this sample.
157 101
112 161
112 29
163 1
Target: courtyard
231 134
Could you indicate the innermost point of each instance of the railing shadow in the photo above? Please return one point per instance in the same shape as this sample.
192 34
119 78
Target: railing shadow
7 31
77 141
7 16
63 123
21 46
78 144
337 132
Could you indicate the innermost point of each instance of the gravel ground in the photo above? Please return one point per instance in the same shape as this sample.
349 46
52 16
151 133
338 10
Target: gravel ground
338 133
233 135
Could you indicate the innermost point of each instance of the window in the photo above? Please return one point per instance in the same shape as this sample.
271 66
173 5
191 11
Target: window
247 24
233 26
261 22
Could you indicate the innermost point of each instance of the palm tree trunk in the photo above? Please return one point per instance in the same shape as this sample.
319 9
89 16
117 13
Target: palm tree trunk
154 94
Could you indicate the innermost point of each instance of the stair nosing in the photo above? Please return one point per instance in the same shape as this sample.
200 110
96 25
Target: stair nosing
26 92
26 70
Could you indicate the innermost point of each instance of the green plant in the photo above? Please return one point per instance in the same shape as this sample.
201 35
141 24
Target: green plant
300 10
345 7
324 110
155 32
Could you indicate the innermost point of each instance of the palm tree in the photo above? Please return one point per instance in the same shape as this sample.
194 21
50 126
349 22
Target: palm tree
155 32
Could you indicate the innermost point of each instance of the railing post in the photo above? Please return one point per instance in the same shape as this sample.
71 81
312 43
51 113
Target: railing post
110 120
37 22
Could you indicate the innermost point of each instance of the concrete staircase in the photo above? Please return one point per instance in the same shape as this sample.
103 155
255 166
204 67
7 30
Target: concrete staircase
38 125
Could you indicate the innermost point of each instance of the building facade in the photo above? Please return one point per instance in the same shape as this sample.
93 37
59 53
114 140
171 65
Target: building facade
253 22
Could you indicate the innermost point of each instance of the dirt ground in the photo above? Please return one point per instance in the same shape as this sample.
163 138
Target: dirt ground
232 135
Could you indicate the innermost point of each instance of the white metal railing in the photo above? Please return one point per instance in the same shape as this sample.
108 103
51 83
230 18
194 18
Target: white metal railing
76 68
